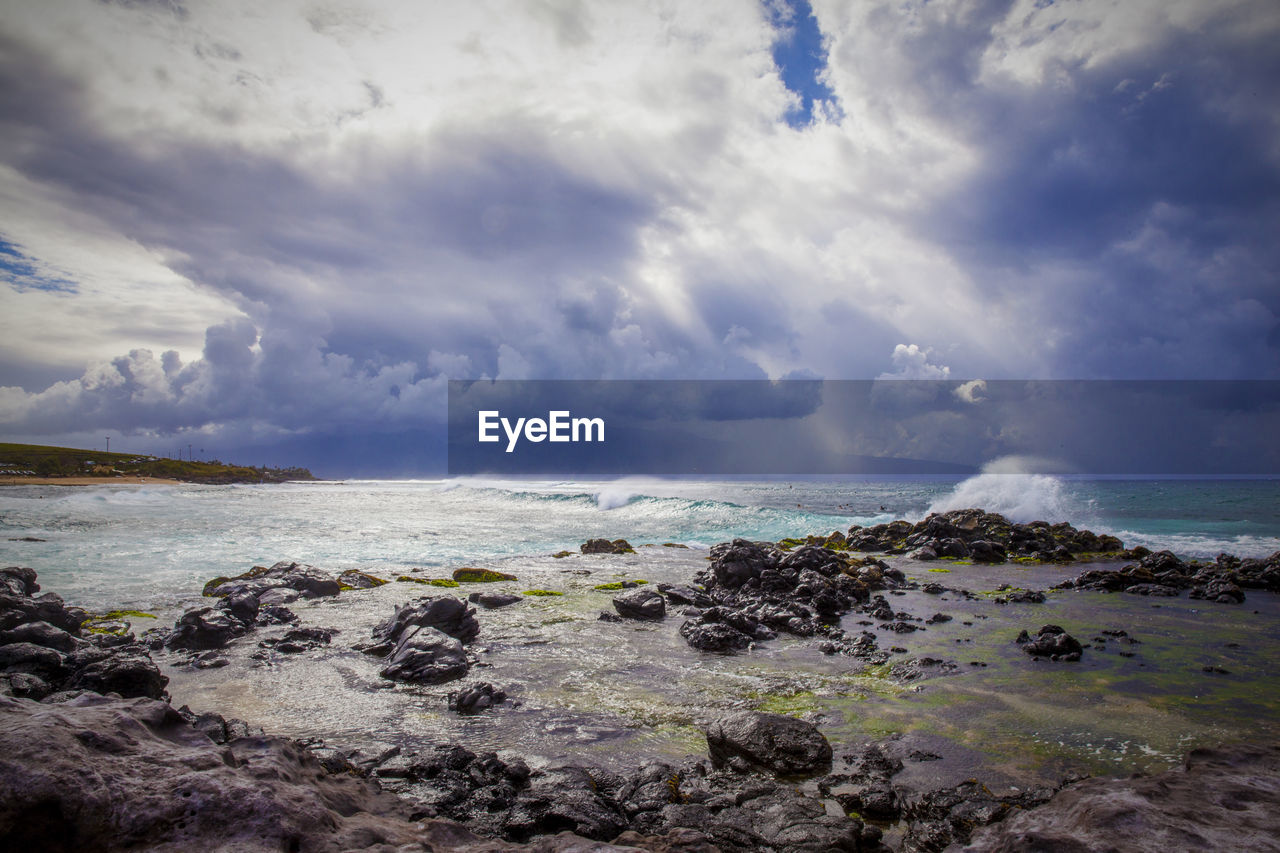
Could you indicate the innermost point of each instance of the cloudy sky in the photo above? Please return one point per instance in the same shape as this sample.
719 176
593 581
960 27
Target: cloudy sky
278 229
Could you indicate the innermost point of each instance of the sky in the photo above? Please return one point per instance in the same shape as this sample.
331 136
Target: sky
274 231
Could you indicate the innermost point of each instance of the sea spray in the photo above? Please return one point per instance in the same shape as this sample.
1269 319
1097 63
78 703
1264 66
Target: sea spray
1008 486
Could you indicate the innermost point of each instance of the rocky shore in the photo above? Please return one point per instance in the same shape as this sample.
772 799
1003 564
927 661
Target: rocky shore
83 699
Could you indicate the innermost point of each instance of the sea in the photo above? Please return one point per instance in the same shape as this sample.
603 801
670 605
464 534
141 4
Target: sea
1188 673
150 546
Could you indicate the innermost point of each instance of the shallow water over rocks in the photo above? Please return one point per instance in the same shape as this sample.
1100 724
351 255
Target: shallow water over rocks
618 694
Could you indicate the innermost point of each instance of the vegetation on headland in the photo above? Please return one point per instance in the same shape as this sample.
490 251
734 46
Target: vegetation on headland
35 460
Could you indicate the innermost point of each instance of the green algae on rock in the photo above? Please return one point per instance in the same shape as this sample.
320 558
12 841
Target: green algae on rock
473 575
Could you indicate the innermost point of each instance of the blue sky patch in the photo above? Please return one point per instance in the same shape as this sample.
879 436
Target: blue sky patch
801 57
20 272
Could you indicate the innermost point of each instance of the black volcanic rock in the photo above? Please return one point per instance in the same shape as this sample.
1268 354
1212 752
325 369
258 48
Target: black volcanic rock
772 742
642 603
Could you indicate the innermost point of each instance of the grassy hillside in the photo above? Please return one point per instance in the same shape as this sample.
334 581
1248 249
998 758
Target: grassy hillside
40 460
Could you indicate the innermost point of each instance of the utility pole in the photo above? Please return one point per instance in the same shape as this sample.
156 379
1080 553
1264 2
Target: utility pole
190 458
108 444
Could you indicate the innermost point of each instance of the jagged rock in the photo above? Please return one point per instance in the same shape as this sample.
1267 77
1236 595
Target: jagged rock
773 742
642 603
604 546
476 698
1052 642
131 675
204 628
42 634
426 656
740 561
1220 799
18 580
713 637
249 794
449 615
307 580
241 605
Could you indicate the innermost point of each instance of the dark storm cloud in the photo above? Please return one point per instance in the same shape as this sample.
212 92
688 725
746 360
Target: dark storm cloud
1106 209
1135 198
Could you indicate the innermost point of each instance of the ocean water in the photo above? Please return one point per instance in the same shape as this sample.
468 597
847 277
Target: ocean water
621 694
155 546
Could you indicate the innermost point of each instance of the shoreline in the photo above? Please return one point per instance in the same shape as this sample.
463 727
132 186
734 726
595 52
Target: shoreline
859 794
87 481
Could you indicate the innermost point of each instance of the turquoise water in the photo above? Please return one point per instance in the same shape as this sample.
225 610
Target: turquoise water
621 694
155 545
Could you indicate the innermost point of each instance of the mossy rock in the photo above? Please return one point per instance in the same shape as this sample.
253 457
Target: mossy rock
446 582
114 629
209 588
941 571
561 554
473 575
674 545
609 587
356 579
542 592
115 615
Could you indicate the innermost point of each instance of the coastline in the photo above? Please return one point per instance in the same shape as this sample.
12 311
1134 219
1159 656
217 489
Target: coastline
908 637
87 481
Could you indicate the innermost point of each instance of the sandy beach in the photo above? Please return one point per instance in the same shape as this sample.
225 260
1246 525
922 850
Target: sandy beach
84 481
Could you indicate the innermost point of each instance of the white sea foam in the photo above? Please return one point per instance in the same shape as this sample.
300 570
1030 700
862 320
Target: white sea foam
1010 487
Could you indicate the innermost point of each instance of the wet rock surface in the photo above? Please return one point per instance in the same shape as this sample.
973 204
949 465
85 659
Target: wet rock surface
1220 799
641 603
751 740
206 785
605 546
1051 642
659 806
983 537
1163 573
749 593
44 651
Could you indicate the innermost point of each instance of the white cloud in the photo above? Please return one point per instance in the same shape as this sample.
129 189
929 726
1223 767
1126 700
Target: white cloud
391 193
912 362
972 391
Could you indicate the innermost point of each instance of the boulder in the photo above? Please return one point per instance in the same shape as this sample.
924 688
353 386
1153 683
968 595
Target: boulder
642 603
18 580
308 581
773 742
445 613
204 628
426 655
42 634
740 561
472 575
493 600
357 579
476 698
1052 642
713 637
131 675
604 546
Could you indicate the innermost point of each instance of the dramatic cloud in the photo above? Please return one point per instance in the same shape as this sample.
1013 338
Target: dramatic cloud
317 212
